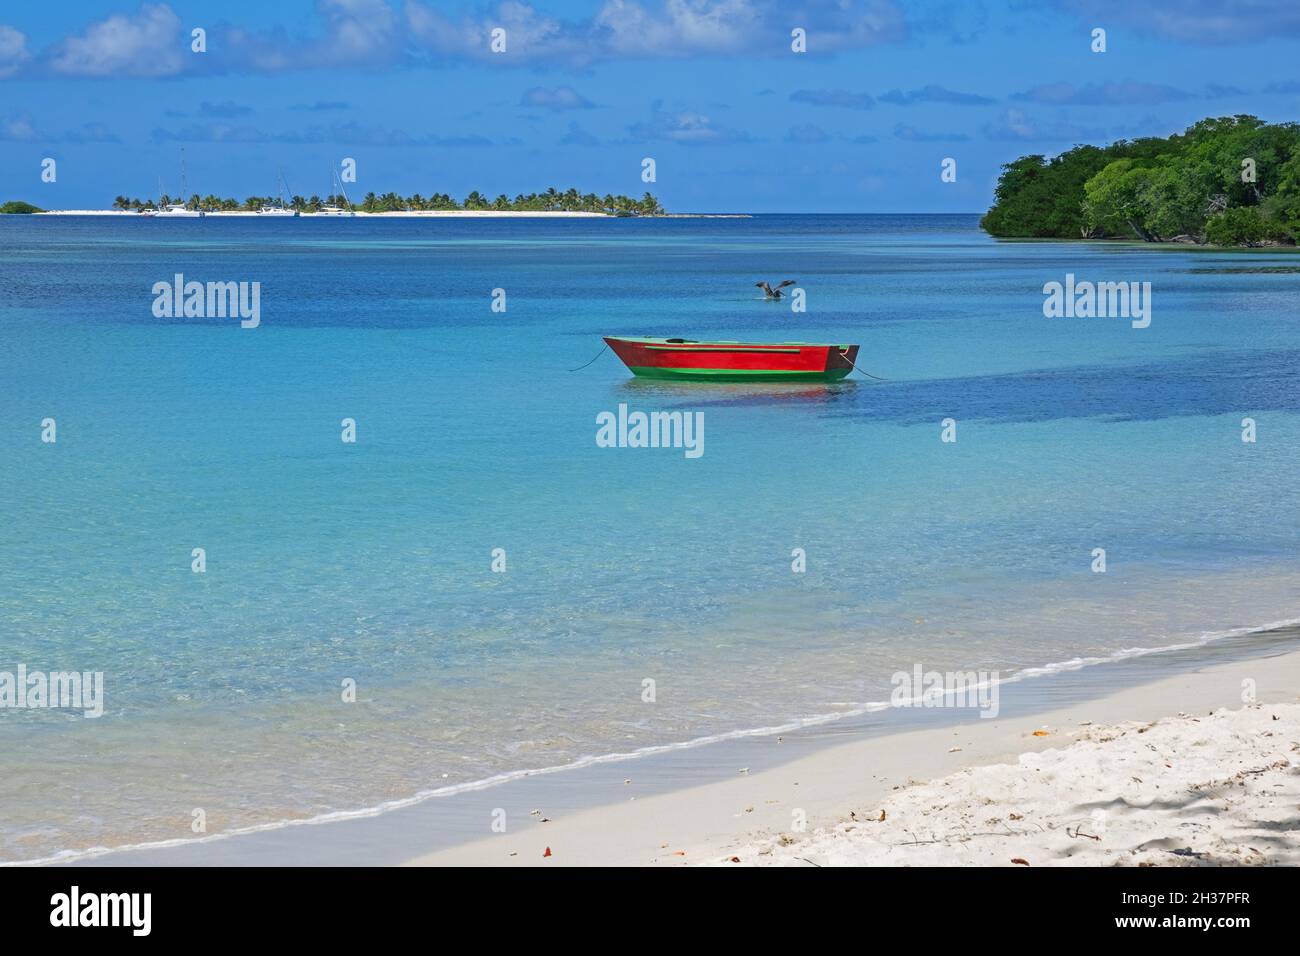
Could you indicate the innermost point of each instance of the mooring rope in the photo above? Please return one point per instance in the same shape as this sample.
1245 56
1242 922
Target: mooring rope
845 356
598 355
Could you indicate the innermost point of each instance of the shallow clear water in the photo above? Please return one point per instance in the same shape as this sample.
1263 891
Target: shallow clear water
372 561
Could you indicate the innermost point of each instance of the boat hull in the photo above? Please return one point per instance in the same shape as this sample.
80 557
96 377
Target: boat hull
685 360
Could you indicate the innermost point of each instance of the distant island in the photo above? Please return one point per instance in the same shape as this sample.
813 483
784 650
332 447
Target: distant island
549 201
18 207
1230 181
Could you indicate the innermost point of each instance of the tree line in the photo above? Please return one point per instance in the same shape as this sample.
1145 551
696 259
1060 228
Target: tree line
1232 180
550 201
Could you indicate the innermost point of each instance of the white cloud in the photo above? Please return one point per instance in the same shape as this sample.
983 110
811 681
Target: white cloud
842 99
529 34
358 32
687 127
807 135
555 98
1211 22
13 51
1014 125
147 43
577 136
659 28
154 41
1128 92
680 27
1018 126
19 129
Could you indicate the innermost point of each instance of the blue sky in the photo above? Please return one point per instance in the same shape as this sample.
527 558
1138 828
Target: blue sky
735 120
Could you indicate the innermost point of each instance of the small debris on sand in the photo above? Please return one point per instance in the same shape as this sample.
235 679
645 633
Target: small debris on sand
1237 766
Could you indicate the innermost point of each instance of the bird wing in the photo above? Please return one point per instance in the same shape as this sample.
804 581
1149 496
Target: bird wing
787 282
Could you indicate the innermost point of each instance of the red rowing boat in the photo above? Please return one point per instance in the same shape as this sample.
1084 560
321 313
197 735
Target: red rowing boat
735 361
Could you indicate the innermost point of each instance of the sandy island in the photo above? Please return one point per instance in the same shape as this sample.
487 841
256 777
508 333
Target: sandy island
401 214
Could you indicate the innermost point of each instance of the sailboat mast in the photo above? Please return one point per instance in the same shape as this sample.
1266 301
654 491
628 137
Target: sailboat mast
347 203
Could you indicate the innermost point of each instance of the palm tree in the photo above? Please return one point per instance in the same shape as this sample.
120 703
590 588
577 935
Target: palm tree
551 200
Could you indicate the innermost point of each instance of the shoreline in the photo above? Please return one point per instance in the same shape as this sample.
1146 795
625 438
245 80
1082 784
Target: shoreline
838 789
611 809
1267 246
398 214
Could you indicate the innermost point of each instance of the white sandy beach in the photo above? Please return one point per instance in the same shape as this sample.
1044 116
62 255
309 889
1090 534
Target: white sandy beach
405 214
1220 789
1173 773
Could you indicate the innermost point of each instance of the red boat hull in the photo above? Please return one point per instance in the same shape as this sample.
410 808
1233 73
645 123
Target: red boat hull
734 361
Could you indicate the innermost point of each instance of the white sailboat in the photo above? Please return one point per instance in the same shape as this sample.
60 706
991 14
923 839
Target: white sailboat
178 210
331 210
283 209
152 208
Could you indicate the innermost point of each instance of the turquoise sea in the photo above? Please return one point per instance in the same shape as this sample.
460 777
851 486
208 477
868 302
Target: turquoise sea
329 562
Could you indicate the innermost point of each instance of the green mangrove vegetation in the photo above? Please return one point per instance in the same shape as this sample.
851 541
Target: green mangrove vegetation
1232 181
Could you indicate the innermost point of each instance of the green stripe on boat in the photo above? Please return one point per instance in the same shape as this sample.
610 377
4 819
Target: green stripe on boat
738 374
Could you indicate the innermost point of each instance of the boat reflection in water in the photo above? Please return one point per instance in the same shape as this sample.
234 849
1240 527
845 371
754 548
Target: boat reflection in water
703 395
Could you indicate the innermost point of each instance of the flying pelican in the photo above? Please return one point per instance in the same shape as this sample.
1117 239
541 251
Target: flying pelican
770 293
